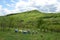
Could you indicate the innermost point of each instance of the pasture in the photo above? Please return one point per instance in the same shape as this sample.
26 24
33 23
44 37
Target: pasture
11 35
49 23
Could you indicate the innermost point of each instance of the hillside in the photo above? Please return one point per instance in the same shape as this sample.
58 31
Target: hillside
31 20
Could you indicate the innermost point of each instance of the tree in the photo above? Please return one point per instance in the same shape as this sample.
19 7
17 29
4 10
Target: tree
40 22
3 23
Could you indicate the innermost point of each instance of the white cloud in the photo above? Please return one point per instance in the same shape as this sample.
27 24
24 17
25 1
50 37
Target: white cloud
0 7
1 10
4 11
51 1
23 5
12 1
8 5
31 4
58 7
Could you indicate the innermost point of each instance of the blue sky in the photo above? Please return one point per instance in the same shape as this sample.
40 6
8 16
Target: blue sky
14 6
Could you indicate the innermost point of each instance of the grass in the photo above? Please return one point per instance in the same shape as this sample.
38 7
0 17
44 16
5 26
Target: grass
30 20
11 35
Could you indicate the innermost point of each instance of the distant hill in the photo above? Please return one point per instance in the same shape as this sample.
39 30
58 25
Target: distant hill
23 12
31 19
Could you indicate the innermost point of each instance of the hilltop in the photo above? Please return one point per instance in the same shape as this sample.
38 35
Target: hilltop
31 20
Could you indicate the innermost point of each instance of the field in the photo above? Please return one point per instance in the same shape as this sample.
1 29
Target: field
47 23
20 36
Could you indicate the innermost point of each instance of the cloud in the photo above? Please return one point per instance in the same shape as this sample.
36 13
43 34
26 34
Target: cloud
39 4
48 8
13 1
0 7
58 0
1 10
4 11
58 7
25 5
21 6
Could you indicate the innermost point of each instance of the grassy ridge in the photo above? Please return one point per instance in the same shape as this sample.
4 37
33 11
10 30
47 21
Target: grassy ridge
31 19
20 36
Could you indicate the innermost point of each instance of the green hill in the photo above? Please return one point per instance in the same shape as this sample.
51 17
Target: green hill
31 20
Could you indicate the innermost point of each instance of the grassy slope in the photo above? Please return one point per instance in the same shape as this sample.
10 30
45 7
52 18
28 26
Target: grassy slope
26 16
20 36
30 18
33 16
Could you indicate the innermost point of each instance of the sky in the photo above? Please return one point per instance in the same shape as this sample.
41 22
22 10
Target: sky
15 6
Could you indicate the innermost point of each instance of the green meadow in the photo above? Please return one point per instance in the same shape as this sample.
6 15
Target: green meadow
20 36
47 26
